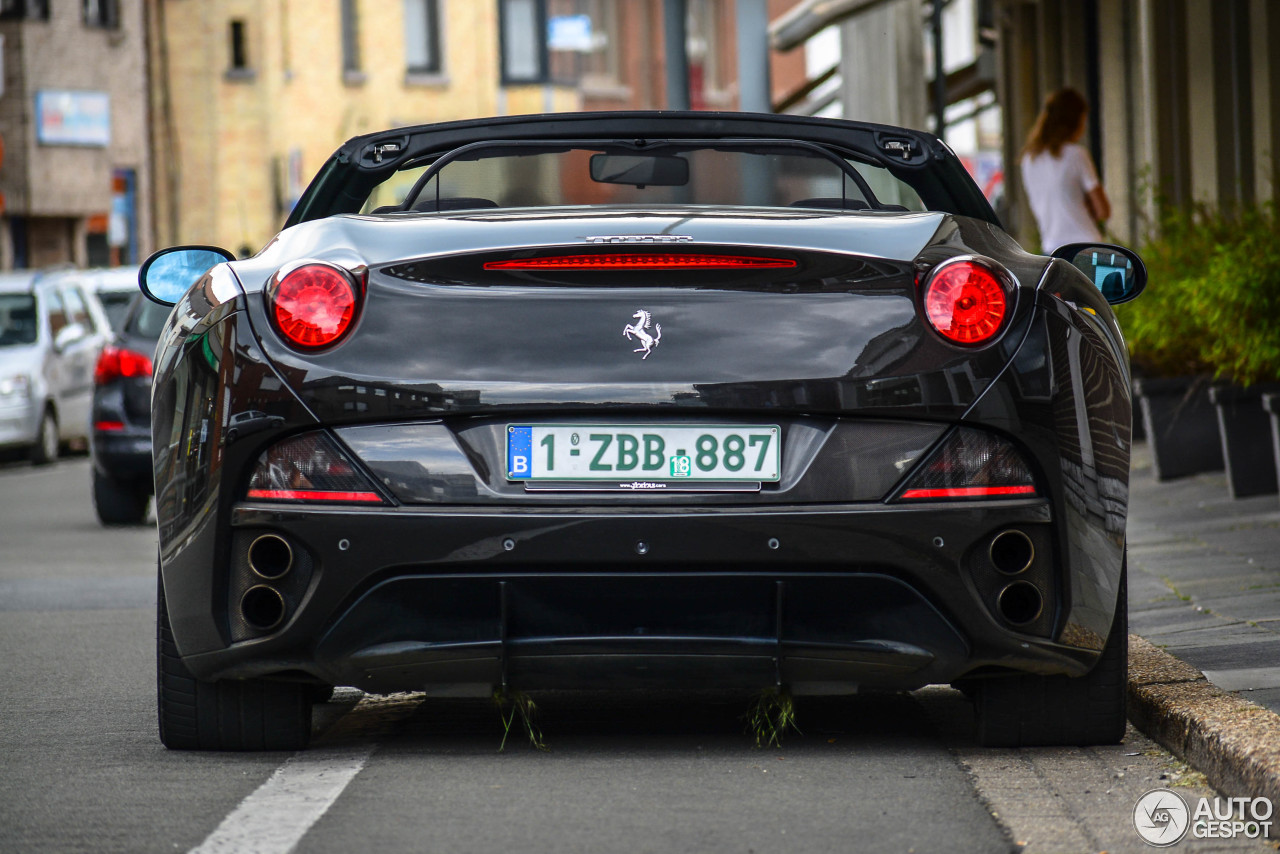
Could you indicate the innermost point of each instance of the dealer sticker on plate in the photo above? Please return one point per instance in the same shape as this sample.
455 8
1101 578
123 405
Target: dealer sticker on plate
608 452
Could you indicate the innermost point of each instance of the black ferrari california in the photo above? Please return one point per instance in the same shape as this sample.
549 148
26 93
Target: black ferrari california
641 399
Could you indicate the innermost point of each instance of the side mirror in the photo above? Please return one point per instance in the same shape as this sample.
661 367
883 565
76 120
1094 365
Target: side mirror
167 274
1114 270
68 335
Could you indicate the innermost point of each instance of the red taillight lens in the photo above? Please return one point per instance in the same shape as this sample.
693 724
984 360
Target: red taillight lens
641 261
971 464
314 305
969 492
966 302
116 363
309 467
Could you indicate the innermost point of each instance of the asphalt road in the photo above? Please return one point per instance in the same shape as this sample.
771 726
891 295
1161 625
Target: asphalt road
81 768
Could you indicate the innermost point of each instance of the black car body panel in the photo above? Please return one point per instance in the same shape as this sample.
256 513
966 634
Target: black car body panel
457 577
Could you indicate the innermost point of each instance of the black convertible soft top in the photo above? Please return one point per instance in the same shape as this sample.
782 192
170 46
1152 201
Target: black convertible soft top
919 159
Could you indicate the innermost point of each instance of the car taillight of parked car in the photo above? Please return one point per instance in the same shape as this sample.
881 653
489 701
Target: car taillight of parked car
966 300
314 305
119 363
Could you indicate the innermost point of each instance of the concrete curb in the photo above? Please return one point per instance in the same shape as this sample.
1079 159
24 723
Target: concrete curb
1233 742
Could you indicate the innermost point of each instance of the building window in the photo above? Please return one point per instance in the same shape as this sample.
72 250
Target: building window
37 10
239 47
422 37
523 27
704 27
582 42
102 13
350 37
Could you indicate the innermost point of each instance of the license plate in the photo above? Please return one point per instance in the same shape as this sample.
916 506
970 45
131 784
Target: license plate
649 453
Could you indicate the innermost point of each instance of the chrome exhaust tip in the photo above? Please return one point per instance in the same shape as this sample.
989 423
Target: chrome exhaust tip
262 607
270 557
1011 552
1020 603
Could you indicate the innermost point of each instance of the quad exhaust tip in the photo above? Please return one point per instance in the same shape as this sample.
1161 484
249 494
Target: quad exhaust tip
1011 552
262 607
270 557
1020 603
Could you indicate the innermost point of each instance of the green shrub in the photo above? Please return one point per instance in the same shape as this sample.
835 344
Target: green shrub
1212 303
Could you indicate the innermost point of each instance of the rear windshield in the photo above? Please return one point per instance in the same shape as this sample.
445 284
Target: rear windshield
148 319
777 175
17 320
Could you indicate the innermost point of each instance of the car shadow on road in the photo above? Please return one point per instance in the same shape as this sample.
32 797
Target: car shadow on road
599 721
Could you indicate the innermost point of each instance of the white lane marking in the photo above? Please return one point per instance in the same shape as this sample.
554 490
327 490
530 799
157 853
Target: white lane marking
274 819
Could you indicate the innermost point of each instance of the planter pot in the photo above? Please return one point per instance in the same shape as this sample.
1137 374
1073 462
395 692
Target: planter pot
1246 439
1181 425
1271 405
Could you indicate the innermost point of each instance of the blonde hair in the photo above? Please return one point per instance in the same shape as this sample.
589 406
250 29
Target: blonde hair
1057 123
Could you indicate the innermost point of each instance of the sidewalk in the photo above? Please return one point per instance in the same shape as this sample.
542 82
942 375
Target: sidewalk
1204 585
1204 578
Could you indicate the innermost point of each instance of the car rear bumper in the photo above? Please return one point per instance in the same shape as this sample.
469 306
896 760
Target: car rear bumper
123 454
462 599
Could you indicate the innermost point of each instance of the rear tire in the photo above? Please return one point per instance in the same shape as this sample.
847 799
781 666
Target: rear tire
45 450
248 714
1042 711
119 502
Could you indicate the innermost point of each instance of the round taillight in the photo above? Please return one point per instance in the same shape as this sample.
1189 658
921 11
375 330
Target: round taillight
313 306
966 302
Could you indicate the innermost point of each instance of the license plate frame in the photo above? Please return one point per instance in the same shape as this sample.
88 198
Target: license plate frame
542 455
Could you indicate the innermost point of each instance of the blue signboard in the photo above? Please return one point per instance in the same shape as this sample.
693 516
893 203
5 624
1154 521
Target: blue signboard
569 32
65 117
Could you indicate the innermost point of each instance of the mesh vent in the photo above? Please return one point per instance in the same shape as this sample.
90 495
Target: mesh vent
291 586
989 580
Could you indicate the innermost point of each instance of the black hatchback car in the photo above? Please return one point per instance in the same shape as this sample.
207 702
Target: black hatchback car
655 399
120 439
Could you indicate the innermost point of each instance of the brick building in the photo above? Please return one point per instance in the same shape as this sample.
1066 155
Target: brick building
249 97
622 66
74 175
252 96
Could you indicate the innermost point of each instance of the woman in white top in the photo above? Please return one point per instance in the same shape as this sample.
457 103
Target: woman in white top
1061 183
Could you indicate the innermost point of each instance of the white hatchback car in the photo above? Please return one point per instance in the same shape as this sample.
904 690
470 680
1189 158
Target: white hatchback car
52 328
115 286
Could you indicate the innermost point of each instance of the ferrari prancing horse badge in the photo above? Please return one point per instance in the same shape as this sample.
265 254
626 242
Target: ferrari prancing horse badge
639 329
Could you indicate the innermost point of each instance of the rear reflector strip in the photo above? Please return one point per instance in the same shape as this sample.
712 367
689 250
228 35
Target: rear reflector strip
654 261
108 426
314 495
969 492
